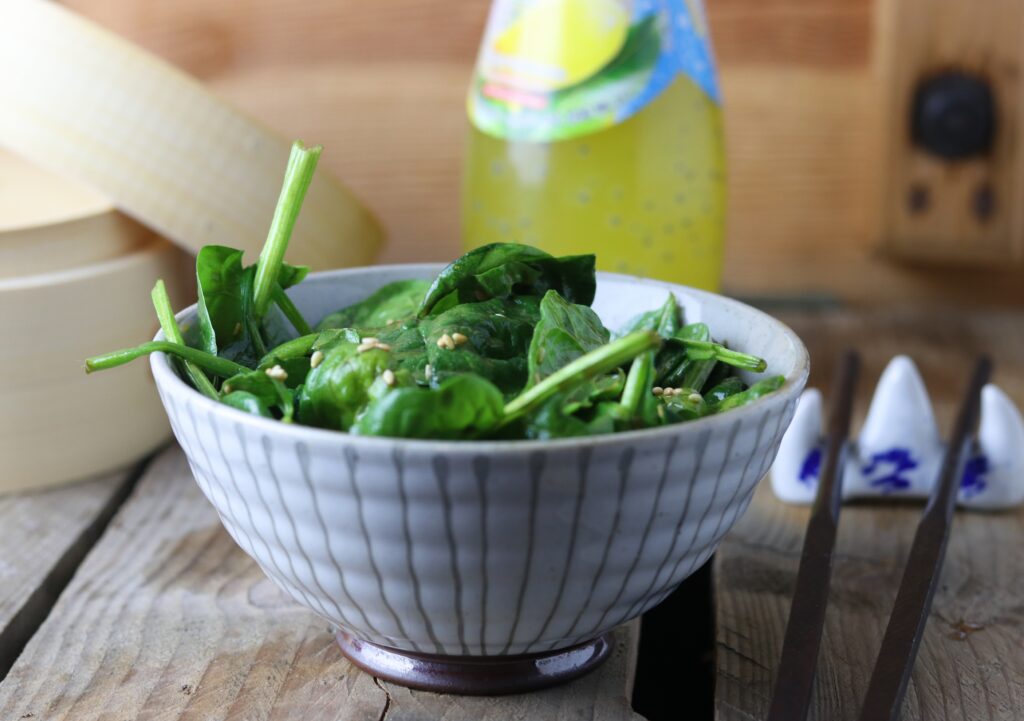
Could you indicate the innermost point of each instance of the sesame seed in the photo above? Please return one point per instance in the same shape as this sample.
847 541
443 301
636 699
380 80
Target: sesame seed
371 340
277 373
316 359
459 339
226 388
677 391
389 377
446 342
363 347
695 398
428 371
382 346
237 329
657 390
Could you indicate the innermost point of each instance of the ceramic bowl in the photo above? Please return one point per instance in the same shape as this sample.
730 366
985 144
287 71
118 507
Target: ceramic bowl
486 551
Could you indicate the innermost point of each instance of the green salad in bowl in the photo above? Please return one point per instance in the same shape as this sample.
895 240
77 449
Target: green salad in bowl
502 344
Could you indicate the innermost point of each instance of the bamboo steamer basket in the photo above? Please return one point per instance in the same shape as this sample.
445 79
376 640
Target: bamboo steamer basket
56 423
49 223
105 152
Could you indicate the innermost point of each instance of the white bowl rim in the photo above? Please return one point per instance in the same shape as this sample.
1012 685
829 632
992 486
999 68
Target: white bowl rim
166 377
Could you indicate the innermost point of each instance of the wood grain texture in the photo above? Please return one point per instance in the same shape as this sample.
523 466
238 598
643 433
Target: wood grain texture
168 619
382 86
971 662
917 40
45 535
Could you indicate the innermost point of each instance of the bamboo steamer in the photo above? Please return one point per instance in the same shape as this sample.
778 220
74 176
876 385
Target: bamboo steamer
105 151
49 223
56 423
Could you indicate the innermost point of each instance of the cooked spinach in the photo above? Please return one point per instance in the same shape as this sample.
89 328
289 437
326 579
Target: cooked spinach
502 344
501 270
390 303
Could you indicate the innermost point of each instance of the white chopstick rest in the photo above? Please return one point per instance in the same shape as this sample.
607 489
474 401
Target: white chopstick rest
797 467
994 477
899 449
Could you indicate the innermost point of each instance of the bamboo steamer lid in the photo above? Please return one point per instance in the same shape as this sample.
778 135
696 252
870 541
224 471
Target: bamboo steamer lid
87 105
56 423
49 223
107 149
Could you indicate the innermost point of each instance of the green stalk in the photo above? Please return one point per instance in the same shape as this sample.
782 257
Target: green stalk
638 383
162 305
596 362
294 348
298 175
218 366
699 350
292 313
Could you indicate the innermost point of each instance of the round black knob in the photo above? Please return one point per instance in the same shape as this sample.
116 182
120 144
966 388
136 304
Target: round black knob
954 116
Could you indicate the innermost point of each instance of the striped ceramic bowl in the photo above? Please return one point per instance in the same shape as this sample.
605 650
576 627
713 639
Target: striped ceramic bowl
491 549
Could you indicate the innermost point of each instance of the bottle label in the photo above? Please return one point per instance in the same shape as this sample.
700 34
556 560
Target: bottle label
556 69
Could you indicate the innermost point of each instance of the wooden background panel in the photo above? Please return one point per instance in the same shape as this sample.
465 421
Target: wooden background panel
382 86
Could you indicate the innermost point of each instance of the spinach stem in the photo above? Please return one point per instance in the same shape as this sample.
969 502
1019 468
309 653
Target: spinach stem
162 305
706 350
292 313
638 382
216 365
596 362
298 175
294 348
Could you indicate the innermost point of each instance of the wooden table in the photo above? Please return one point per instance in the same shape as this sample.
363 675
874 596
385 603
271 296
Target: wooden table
123 598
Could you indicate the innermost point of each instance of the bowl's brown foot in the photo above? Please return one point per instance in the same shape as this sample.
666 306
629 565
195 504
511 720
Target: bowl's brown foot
476 675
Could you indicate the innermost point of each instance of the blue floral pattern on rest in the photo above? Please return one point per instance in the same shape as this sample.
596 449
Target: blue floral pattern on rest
890 467
811 468
973 480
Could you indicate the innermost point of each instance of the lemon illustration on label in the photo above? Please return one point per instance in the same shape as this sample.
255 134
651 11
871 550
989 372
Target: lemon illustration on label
534 50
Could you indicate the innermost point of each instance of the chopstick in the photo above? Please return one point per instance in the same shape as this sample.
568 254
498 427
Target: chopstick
921 575
792 695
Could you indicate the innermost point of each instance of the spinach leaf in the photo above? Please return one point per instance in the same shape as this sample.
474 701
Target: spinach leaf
462 407
290 275
565 332
720 391
271 394
685 406
247 402
497 336
337 390
332 336
674 366
638 400
719 374
756 391
665 321
393 302
552 421
501 270
219 280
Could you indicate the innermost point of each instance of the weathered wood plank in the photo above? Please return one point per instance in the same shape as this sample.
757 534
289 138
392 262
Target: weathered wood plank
43 537
971 662
168 619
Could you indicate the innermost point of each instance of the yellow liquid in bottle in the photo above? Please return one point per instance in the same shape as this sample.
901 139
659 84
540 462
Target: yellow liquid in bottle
646 195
